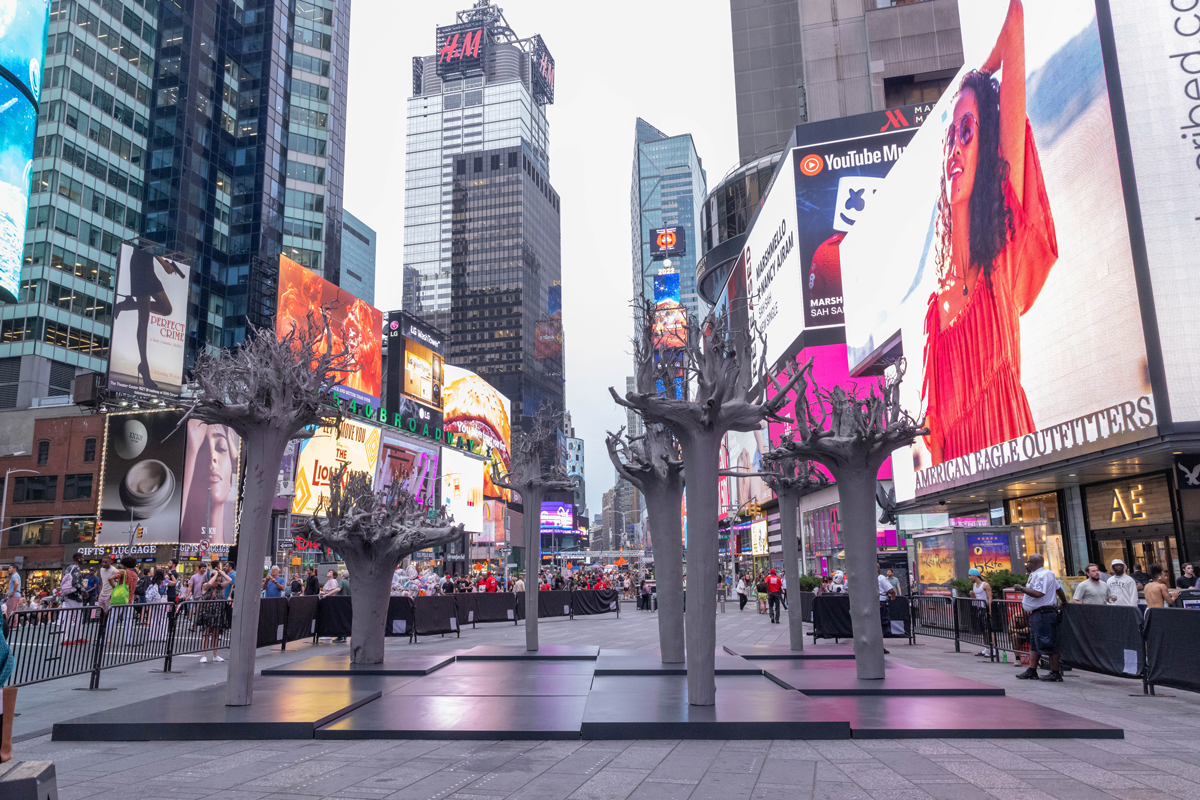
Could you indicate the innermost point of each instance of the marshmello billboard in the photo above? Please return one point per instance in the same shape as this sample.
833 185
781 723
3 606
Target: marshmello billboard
793 252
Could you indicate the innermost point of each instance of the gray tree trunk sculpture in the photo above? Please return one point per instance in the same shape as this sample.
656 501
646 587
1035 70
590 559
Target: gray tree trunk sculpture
852 436
269 389
372 531
533 470
790 479
708 389
652 463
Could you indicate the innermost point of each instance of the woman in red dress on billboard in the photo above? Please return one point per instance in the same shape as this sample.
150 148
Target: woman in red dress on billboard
996 245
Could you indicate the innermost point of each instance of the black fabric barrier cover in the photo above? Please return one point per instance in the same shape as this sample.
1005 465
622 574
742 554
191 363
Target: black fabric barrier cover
520 596
831 617
898 610
1104 639
435 615
333 616
272 620
1173 648
496 607
806 604
399 617
301 617
588 601
554 603
468 608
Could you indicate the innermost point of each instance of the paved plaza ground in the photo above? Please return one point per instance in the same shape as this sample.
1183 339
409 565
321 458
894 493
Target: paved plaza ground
1159 757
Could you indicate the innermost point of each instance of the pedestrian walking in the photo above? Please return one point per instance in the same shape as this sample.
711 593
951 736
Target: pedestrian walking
1042 592
741 592
107 573
157 606
1122 588
73 599
760 591
213 617
886 593
774 592
12 598
1093 591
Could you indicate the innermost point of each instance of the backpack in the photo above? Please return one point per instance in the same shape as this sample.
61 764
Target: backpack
142 584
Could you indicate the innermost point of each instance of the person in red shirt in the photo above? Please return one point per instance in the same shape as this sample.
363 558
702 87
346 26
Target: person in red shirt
491 582
774 590
600 584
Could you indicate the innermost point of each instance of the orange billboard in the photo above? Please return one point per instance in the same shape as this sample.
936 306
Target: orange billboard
357 328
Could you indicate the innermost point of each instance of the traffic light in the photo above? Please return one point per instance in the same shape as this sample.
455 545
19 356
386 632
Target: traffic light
753 509
139 531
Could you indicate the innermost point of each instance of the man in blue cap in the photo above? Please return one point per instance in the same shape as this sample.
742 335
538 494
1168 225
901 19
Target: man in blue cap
981 592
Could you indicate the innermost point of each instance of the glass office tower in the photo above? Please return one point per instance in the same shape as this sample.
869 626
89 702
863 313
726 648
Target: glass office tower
358 257
481 218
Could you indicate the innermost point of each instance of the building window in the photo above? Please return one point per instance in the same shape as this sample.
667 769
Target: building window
460 167
512 159
78 531
10 376
43 452
496 162
32 531
62 376
479 164
35 489
904 91
77 487
89 450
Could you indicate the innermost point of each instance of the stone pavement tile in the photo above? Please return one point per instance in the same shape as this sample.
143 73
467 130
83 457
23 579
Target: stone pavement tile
435 786
1173 785
484 761
900 793
827 772
982 775
292 776
793 751
998 757
343 777
641 755
774 791
553 749
788 773
838 791
1137 794
585 761
405 774
738 760
724 786
1092 775
239 794
1028 793
839 751
550 786
931 747
1071 790
503 783
677 767
461 796
1174 766
610 784
911 765
662 790
954 791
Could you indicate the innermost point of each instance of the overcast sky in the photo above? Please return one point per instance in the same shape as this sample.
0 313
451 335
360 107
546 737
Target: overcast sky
667 61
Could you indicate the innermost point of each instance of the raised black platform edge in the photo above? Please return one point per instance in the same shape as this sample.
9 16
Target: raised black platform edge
158 730
553 652
466 734
777 653
295 669
994 733
674 669
807 730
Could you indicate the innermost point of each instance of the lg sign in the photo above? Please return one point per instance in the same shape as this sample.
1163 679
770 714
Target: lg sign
668 242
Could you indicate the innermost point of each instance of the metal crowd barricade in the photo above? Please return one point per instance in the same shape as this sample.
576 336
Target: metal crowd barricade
933 615
61 642
1010 626
962 619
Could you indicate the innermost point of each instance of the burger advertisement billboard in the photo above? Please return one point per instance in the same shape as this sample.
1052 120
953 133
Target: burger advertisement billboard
1023 337
355 327
474 409
149 325
22 47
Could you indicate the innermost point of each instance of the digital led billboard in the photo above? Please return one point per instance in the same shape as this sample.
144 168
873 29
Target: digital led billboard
149 325
144 480
473 408
23 25
356 327
210 477
414 468
461 48
542 71
462 488
670 315
668 242
352 444
1023 338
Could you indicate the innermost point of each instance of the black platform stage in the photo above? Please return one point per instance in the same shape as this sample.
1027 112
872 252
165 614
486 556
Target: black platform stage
564 692
773 651
284 708
340 666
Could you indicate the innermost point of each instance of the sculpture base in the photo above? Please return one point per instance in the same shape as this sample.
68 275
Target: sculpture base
773 651
340 666
28 780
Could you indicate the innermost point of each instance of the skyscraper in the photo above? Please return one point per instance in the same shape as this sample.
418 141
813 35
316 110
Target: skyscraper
481 219
795 62
667 194
214 131
358 258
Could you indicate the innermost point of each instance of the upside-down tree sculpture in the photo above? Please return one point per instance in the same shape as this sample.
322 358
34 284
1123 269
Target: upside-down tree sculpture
790 479
699 392
852 433
372 531
270 389
533 470
652 463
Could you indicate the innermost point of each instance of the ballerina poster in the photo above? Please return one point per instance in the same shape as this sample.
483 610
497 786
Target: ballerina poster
996 260
149 325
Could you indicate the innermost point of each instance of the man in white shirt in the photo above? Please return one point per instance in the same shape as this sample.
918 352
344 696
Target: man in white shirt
886 594
1093 591
1122 588
107 573
519 586
1042 592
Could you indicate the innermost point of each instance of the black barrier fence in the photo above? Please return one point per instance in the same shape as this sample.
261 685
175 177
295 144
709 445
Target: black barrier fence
831 618
1106 639
59 643
1172 639
806 605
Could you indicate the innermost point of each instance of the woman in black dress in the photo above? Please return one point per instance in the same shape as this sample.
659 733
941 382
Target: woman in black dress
146 296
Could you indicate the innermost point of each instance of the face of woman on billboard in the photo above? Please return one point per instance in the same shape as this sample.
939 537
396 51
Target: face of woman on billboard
962 148
220 471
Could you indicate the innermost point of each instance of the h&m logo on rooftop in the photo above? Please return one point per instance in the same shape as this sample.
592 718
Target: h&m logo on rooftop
452 50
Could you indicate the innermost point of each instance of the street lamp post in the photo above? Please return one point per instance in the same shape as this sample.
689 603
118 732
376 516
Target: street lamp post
4 499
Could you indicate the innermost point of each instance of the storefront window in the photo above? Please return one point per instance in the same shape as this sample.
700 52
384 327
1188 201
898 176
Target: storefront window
823 554
1041 530
32 531
79 531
